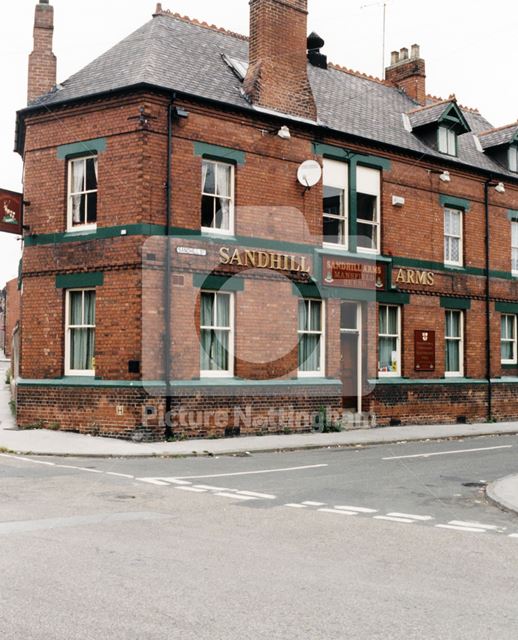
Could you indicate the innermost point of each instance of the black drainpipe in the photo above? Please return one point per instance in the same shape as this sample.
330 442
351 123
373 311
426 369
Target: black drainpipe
167 273
488 305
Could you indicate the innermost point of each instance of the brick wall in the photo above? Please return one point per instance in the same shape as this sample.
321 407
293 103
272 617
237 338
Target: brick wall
12 313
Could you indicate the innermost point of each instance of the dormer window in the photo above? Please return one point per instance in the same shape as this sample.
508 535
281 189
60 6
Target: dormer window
439 125
501 145
447 140
513 158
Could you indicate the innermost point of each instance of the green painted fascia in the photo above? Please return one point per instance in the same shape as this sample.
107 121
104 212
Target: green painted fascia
389 297
463 304
423 381
512 215
82 382
77 280
219 153
506 307
240 382
505 380
85 147
452 201
101 233
306 290
428 265
340 153
218 283
457 117
339 253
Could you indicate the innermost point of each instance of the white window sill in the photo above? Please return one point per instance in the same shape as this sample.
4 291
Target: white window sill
310 374
217 232
396 374
219 375
454 374
370 252
84 228
80 374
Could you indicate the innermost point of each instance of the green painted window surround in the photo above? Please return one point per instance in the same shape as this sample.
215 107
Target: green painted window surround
218 283
215 152
342 293
453 201
462 304
83 148
506 307
101 233
512 215
346 155
80 280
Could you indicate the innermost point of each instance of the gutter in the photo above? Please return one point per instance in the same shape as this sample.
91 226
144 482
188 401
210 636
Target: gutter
167 271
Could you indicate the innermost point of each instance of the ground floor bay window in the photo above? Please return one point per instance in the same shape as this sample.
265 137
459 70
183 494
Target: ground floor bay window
311 338
216 335
454 341
80 332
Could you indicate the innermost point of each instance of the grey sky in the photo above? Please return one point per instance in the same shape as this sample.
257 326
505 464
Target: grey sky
467 44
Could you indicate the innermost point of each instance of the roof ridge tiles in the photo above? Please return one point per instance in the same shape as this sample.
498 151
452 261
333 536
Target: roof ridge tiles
505 126
358 74
205 25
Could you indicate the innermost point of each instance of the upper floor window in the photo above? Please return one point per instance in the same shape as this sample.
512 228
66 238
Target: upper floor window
336 197
216 334
447 140
80 332
368 209
508 339
217 203
389 340
513 158
82 192
311 338
514 247
453 237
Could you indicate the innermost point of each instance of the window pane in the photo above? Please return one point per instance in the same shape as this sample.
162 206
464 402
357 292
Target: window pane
507 351
207 211
334 230
367 236
387 355
367 207
454 250
392 320
91 204
91 178
209 171
452 356
223 174
207 309
316 316
76 307
513 159
443 143
348 316
82 345
309 352
214 350
303 315
222 214
514 229
333 201
455 222
383 320
78 175
453 324
89 307
222 311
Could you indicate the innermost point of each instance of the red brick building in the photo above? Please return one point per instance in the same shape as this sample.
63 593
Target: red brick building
238 234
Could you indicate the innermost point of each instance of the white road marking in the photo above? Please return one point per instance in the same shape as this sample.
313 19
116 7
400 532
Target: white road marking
118 475
209 487
293 505
478 525
314 504
358 509
514 535
253 494
49 464
340 511
447 453
412 517
251 473
236 496
155 481
174 481
89 470
193 489
394 519
451 526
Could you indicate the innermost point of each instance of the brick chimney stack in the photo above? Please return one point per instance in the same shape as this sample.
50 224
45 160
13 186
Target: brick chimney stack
408 73
42 62
277 75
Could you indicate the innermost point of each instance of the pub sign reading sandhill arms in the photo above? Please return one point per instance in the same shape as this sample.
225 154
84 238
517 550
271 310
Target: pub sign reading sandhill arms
10 212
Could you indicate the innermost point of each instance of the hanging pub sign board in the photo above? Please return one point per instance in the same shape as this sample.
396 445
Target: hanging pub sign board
10 212
424 350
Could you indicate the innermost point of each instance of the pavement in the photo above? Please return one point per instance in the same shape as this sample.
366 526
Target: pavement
44 442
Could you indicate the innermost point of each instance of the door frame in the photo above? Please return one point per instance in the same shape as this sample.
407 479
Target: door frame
358 332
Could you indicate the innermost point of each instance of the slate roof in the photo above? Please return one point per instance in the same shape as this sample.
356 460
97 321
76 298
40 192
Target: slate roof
498 137
429 114
174 53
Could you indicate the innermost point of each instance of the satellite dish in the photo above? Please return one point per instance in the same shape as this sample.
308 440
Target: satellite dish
309 173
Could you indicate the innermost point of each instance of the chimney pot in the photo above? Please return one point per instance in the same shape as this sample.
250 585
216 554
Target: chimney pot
416 51
403 54
394 57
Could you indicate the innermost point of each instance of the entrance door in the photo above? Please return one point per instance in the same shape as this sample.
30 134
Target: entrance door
351 349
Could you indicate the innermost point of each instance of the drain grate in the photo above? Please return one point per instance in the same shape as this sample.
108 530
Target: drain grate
477 485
